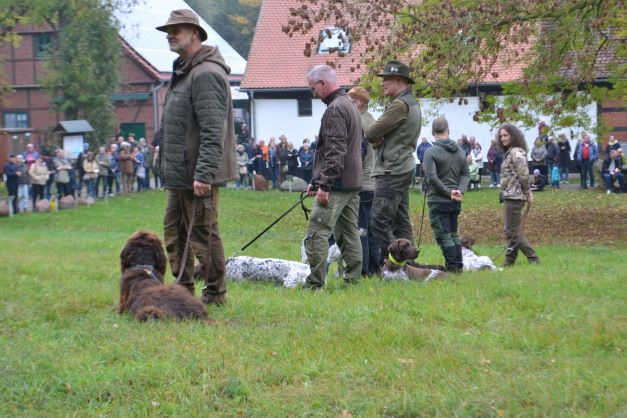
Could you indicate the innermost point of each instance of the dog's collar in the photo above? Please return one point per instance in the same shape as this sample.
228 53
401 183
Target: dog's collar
148 269
395 261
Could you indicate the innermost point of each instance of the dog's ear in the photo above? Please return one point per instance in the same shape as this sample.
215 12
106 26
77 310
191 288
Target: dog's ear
394 249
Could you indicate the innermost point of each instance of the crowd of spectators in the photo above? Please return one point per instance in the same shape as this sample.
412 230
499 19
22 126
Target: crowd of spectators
124 165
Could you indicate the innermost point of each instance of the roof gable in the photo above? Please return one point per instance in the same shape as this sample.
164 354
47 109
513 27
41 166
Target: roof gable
138 31
277 61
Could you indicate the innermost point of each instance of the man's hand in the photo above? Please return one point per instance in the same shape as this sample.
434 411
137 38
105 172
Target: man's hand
456 195
377 143
530 197
311 190
323 197
201 189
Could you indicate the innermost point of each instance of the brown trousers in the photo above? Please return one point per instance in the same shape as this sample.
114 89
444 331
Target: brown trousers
513 233
175 227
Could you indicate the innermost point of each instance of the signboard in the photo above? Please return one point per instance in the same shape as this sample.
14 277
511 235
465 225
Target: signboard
73 145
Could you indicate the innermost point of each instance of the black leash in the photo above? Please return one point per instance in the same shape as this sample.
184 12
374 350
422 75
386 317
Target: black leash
306 211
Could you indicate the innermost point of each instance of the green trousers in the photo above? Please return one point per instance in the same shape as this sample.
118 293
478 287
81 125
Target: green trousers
339 218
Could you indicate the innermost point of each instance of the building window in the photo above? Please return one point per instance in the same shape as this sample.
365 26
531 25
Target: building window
334 40
16 120
304 107
43 44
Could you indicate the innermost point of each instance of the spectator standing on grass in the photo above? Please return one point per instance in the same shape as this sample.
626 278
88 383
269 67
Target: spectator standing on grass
516 191
552 156
394 137
24 184
242 167
39 175
446 171
125 163
104 162
207 139
292 160
281 156
420 154
52 171
273 164
473 170
148 153
587 154
538 156
156 168
477 156
12 176
495 159
564 159
90 176
305 156
337 173
139 171
63 168
361 98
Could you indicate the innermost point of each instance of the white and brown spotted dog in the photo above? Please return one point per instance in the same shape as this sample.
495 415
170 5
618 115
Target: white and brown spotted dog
471 260
397 266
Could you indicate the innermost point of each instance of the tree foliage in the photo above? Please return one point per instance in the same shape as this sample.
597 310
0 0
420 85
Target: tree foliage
234 20
570 52
85 59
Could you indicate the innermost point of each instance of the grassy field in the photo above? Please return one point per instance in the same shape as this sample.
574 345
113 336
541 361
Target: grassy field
545 340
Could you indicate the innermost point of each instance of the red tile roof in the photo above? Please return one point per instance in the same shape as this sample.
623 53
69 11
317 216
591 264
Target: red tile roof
277 61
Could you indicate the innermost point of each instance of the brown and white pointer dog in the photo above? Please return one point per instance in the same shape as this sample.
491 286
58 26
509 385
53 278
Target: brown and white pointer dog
399 264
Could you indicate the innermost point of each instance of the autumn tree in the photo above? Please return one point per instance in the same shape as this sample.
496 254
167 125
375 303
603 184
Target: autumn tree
234 20
85 57
571 52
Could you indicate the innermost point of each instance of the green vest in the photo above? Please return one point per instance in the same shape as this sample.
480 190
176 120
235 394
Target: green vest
396 155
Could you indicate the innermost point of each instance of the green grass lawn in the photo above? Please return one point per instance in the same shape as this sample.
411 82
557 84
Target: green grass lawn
544 340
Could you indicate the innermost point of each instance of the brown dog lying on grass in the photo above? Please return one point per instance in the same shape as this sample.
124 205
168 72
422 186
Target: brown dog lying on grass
142 292
400 266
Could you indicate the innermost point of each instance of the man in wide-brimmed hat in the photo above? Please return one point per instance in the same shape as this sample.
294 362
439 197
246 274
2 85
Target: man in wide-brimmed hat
197 153
394 136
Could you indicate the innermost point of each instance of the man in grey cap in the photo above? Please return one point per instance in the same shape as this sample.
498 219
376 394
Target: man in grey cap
197 154
447 177
394 136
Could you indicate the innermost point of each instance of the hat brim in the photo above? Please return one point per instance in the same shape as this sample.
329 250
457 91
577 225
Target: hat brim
203 34
384 74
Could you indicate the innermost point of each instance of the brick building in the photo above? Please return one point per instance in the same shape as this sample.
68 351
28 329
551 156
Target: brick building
27 114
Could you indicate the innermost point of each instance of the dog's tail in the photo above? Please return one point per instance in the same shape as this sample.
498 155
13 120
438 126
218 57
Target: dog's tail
148 313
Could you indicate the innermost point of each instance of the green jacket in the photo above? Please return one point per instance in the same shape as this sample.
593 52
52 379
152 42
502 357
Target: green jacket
197 131
399 126
445 169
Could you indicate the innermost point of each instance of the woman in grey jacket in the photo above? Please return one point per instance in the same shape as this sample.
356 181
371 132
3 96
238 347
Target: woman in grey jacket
516 191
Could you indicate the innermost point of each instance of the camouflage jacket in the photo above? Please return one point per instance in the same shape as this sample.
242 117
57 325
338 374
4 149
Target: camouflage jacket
515 175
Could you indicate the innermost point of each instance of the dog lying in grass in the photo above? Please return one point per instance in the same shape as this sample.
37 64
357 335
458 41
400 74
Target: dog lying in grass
400 266
270 270
142 292
472 261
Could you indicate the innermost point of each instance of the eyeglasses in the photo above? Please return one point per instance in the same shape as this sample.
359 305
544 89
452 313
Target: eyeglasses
313 89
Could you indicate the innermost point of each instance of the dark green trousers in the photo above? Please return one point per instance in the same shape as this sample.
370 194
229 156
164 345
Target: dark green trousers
444 223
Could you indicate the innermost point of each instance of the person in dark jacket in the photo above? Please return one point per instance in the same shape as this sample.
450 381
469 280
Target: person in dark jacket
197 154
495 159
564 160
394 137
552 155
12 174
448 176
337 180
